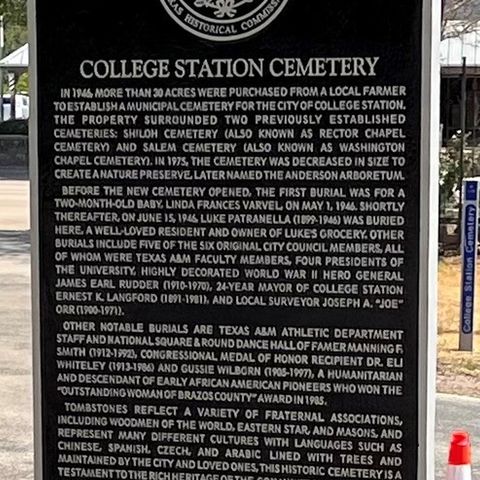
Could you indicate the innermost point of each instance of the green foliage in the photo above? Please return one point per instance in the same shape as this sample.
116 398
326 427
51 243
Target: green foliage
15 18
450 169
16 34
22 84
448 176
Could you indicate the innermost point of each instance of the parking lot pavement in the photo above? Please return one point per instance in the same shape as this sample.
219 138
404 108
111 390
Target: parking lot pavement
455 412
14 205
16 437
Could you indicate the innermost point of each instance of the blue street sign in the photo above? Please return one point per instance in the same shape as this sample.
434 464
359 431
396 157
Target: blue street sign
469 262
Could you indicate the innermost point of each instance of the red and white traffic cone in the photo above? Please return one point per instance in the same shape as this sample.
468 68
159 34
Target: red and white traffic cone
460 457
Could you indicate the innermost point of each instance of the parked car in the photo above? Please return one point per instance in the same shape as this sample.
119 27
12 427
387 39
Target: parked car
14 127
22 106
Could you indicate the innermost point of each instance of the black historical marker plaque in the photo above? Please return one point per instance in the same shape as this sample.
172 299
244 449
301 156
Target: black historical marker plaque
231 278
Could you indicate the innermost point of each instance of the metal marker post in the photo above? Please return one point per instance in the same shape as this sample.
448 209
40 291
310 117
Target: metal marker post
463 128
469 261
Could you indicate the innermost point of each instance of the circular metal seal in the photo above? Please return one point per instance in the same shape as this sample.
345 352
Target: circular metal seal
224 20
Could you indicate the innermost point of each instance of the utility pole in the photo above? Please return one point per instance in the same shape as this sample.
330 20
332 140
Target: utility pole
2 47
463 128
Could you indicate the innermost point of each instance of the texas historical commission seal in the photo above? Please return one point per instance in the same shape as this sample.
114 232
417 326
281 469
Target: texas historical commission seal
224 20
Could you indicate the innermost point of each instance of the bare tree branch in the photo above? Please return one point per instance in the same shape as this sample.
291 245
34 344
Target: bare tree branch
460 17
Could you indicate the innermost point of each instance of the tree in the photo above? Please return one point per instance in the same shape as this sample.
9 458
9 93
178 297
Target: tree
15 18
459 17
450 169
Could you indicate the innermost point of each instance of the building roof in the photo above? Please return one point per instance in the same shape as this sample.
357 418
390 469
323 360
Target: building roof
452 50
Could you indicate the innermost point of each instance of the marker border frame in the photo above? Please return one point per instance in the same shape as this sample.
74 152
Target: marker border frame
427 308
428 251
35 243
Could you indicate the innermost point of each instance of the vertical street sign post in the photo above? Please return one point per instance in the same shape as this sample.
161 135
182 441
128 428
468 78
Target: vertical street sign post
232 272
469 231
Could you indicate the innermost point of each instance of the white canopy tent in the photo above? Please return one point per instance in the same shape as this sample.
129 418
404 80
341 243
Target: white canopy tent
459 45
13 65
456 102
17 61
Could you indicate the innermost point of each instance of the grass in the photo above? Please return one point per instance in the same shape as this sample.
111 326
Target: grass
457 372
